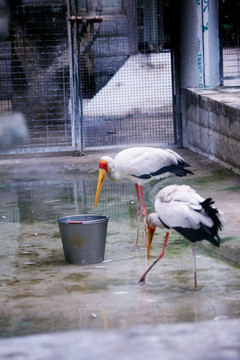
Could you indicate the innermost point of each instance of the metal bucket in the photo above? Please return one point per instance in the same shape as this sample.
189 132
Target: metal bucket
83 238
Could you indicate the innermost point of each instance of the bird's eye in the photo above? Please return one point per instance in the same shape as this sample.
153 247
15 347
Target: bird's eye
106 166
103 165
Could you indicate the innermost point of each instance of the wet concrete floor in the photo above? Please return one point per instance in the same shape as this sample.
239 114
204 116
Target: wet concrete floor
41 293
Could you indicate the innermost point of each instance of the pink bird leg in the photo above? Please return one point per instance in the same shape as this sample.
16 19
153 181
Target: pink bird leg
141 212
194 266
142 278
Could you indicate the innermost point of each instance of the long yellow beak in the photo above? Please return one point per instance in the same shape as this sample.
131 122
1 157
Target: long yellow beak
101 177
151 232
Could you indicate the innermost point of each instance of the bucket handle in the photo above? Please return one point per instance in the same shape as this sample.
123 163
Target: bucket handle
75 222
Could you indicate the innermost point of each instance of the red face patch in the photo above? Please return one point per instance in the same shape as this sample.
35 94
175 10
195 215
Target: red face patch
103 165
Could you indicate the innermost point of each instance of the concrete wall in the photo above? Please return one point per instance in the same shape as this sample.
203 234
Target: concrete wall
196 53
213 124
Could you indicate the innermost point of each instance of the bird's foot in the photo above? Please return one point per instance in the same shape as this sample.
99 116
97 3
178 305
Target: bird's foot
137 236
139 212
142 280
135 245
144 213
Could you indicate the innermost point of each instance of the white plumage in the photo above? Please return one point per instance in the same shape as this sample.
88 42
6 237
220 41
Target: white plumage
140 165
181 208
143 164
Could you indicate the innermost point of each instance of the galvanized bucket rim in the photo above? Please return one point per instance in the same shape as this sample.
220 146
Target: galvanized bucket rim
81 219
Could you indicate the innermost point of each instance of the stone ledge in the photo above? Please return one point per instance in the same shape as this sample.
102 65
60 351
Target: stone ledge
213 122
185 341
221 96
229 251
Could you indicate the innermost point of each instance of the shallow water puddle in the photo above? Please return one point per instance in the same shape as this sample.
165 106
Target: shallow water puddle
41 293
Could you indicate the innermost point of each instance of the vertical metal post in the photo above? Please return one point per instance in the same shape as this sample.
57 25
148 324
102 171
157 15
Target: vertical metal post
200 59
175 64
199 42
205 27
154 22
221 81
133 26
74 79
150 21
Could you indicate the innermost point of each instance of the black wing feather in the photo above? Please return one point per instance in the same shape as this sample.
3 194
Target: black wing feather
205 232
178 170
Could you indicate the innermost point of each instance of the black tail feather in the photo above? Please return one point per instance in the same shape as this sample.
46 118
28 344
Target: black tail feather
204 232
182 172
179 169
212 212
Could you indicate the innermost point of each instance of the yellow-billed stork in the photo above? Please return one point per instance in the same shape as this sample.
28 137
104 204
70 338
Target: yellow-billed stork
140 165
181 208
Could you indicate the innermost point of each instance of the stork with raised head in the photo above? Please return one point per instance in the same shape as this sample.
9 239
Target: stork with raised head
181 208
140 165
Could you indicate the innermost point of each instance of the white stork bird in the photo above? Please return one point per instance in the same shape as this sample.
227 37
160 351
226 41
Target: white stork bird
140 165
179 207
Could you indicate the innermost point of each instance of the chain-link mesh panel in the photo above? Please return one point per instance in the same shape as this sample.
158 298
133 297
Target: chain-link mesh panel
5 76
119 94
35 73
230 38
127 95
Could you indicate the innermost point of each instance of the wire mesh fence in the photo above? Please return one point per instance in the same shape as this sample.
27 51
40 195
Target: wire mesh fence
118 90
230 39
40 75
92 74
135 106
